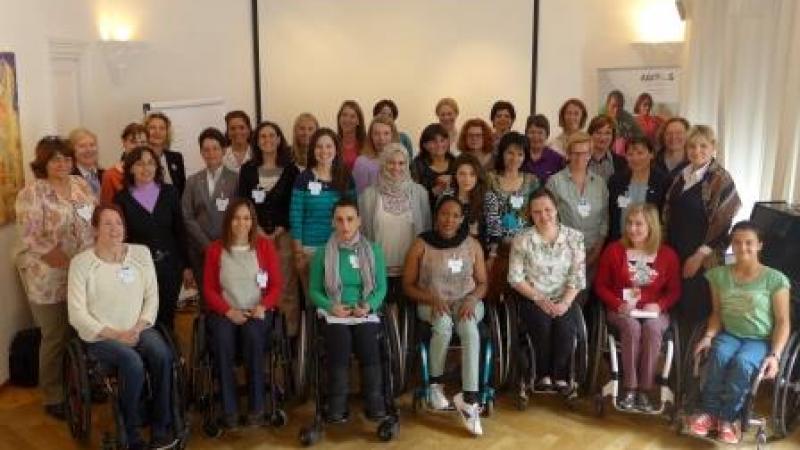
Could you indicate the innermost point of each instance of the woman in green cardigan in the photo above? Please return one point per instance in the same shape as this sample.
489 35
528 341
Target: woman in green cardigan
348 280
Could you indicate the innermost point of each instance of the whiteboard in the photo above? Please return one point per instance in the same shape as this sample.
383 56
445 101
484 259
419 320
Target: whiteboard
662 83
317 53
189 118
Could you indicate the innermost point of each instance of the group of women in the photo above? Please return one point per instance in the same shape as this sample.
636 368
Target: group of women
351 218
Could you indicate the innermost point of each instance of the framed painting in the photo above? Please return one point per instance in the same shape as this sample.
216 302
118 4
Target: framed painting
11 174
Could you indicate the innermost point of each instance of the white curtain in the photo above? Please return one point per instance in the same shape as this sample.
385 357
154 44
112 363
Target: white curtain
742 77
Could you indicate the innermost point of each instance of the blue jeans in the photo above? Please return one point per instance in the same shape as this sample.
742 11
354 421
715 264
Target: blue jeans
254 336
732 364
152 356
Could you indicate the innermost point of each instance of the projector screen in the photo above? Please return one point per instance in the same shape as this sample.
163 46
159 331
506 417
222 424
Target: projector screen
317 53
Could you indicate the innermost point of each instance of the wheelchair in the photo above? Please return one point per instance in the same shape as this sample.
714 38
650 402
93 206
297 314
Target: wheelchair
205 385
492 358
86 380
785 404
607 348
522 372
389 348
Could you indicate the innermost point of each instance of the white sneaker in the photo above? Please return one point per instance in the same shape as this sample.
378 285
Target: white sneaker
437 399
470 414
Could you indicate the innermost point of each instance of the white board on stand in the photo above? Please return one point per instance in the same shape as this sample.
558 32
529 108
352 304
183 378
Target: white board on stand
189 118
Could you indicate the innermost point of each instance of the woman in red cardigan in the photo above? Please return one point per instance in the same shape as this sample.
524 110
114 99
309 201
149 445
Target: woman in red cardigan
637 272
242 284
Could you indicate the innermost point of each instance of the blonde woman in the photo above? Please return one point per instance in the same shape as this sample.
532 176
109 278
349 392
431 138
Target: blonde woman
639 272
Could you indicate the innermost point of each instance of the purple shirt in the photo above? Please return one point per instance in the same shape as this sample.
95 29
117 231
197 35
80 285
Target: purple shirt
549 163
365 172
146 195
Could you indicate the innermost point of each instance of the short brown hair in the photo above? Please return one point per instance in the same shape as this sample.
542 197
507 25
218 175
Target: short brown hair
488 139
98 210
650 214
132 129
663 128
46 149
574 102
227 222
601 120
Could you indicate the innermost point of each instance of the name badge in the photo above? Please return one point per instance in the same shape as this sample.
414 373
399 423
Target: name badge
126 275
623 201
584 208
455 265
261 279
258 195
85 211
631 295
354 261
222 204
516 201
315 187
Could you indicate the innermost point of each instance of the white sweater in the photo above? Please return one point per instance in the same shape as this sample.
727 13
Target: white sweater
114 295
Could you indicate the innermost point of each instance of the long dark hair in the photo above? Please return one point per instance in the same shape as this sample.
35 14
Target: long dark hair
361 128
227 222
283 157
340 174
478 193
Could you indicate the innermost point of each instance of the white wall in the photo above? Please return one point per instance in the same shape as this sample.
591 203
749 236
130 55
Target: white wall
317 53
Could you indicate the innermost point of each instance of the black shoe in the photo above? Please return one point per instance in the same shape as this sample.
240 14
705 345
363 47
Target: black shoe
163 442
255 419
627 401
56 411
230 422
643 402
336 411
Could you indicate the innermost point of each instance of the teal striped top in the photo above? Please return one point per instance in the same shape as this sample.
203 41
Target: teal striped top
311 213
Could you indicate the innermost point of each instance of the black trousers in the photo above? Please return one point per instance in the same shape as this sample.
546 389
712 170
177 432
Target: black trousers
342 340
552 338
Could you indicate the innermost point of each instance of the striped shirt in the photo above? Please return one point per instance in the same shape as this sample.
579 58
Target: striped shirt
311 210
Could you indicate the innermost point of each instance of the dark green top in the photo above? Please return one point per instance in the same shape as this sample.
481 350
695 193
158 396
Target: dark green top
351 280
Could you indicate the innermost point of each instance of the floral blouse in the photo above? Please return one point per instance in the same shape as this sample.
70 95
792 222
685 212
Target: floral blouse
549 267
511 206
44 221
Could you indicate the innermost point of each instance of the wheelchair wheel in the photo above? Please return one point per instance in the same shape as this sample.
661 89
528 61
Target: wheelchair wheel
196 358
581 369
77 392
786 396
691 382
598 343
498 352
301 366
396 352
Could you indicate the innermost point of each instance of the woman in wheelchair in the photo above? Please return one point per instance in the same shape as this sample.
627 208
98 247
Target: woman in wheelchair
547 268
745 335
347 279
445 274
112 303
637 273
242 284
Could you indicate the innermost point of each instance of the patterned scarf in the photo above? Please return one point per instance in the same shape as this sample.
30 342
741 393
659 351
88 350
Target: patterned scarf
366 263
394 193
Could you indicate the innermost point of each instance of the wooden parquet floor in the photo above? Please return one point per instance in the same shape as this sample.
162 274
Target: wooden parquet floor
547 424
